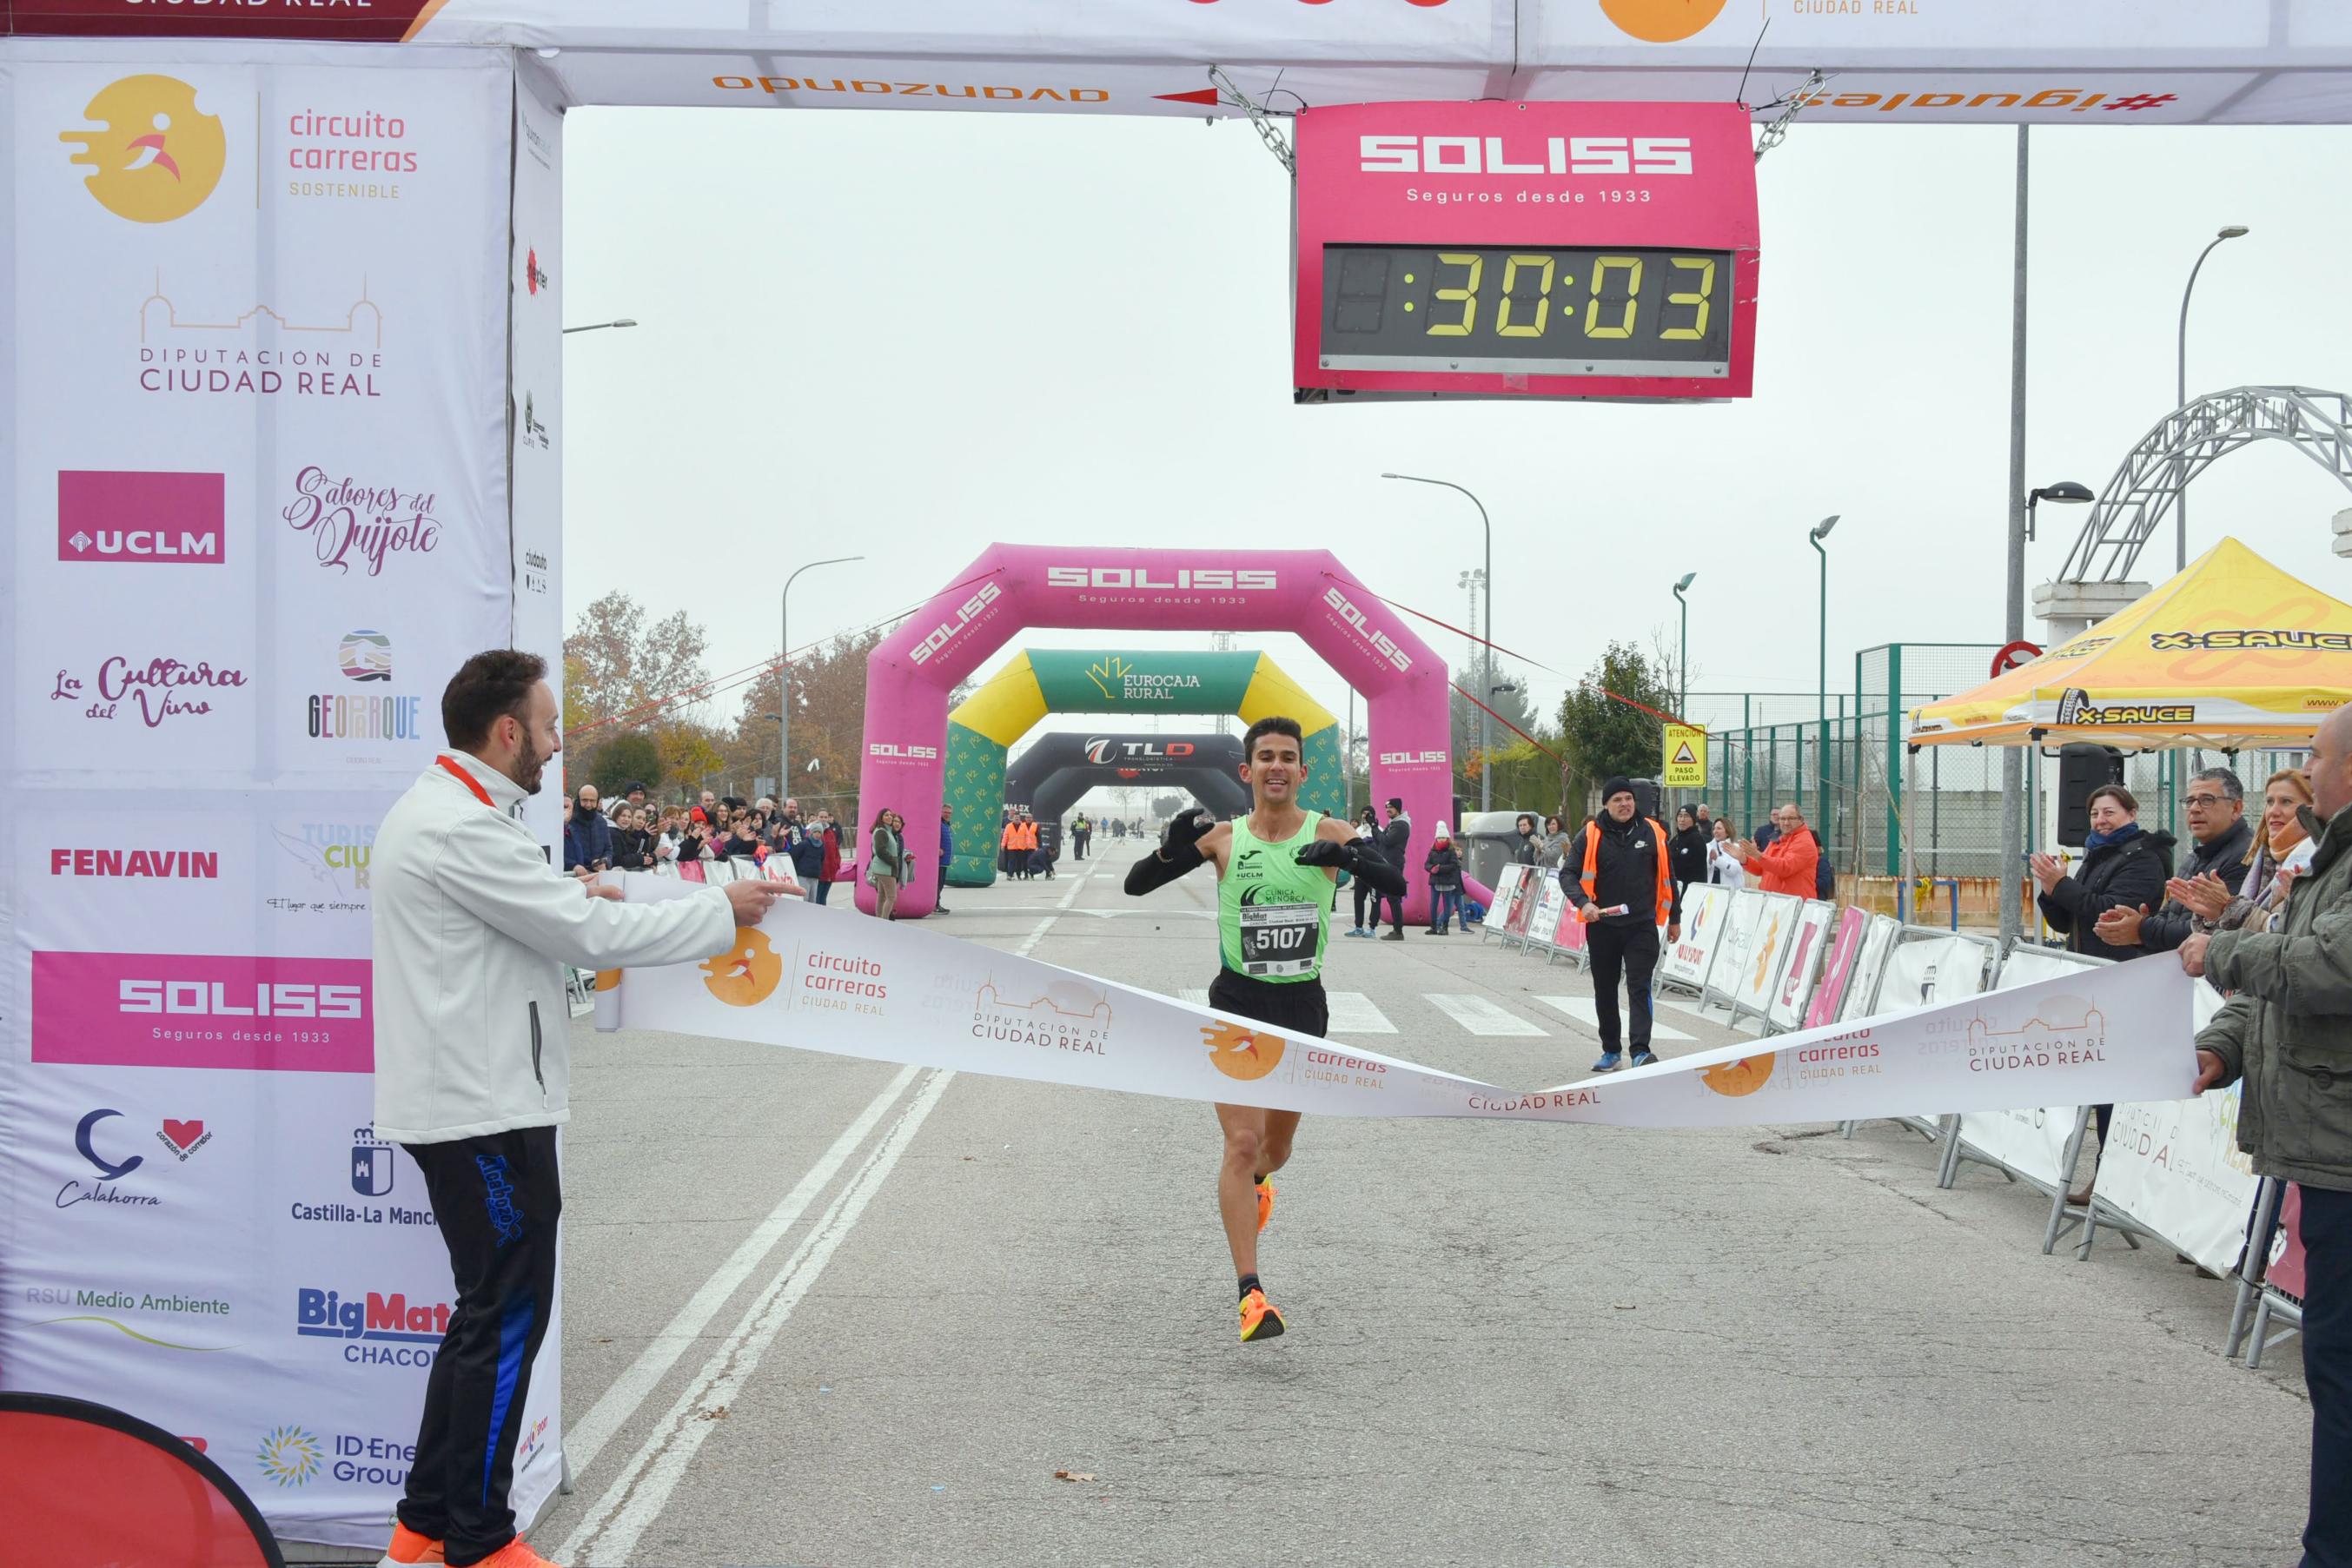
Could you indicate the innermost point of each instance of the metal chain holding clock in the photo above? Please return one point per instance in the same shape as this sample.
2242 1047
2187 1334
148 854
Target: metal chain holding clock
1267 132
1778 132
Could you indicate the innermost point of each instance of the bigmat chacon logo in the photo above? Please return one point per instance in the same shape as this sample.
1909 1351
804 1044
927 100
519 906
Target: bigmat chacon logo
378 1329
157 156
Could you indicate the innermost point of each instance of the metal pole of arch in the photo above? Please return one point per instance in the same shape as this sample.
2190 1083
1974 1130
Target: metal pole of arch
2013 760
784 677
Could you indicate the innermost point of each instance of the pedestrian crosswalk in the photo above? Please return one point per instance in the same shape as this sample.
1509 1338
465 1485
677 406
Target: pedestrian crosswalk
1581 1009
1479 1016
1354 1013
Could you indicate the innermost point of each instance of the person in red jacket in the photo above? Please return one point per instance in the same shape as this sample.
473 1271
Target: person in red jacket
1789 864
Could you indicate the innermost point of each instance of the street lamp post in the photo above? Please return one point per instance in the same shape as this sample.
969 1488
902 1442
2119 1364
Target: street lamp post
1682 703
2180 390
1486 773
1821 531
599 326
784 675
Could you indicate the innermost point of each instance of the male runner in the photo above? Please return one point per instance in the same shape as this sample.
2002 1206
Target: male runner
1277 872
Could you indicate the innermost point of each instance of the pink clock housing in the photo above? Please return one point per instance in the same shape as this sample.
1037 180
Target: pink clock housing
1545 250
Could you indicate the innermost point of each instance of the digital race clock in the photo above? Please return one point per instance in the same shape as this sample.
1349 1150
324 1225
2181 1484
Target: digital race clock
1560 250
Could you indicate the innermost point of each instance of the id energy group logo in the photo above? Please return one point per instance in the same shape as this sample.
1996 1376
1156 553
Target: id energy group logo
157 157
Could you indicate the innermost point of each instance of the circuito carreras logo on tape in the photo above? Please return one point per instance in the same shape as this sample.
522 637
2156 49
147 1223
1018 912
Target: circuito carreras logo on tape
746 974
1661 21
1734 1078
1241 1053
157 156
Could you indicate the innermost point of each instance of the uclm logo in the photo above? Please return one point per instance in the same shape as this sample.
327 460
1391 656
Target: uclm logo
152 519
1524 156
1184 579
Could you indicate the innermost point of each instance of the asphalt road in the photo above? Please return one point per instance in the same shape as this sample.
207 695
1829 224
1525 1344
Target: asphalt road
822 1312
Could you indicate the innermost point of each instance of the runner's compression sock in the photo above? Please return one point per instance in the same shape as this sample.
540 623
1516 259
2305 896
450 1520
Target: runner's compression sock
1249 1283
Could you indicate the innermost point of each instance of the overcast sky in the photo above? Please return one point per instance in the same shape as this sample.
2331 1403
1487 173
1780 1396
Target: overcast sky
907 335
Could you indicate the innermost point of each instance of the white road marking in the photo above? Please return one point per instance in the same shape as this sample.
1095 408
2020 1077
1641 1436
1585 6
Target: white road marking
1196 995
1581 1009
1691 1008
1479 1016
619 1518
1353 1012
585 1439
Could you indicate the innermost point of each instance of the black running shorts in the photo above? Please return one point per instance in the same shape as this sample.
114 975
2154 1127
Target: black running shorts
1295 1007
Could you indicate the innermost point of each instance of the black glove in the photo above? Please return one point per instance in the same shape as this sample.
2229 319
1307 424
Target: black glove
1328 851
1179 840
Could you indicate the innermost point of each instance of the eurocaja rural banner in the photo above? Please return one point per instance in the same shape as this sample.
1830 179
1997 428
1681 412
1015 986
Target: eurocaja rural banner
253 377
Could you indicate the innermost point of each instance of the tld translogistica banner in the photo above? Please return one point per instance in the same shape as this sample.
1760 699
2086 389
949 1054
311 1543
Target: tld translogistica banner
254 307
890 992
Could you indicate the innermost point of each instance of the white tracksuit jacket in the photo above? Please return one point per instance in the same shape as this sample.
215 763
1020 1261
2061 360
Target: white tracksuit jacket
472 929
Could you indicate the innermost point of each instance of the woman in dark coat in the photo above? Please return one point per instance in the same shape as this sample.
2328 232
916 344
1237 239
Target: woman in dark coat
2122 867
1688 848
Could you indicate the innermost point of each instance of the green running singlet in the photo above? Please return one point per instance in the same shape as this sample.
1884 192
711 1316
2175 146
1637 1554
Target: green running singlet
1273 916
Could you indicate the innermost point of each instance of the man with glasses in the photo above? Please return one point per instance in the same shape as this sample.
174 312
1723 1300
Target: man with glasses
2217 820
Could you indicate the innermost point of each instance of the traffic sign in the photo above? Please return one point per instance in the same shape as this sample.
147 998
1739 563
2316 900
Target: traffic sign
1685 765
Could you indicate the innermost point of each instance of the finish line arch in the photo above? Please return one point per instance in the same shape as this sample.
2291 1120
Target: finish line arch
1011 588
1049 777
1043 681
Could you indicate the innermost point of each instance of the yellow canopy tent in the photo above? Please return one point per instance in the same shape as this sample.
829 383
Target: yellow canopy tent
2232 653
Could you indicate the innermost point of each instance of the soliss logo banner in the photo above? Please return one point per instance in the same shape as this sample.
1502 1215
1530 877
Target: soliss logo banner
816 981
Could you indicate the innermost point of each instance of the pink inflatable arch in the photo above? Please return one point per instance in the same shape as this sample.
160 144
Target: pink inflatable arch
1012 588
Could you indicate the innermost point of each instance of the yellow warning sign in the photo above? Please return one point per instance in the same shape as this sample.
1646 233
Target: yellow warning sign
1685 758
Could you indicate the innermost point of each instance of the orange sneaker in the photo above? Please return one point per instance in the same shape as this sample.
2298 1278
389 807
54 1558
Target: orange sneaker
1261 1319
515 1554
1265 1191
408 1549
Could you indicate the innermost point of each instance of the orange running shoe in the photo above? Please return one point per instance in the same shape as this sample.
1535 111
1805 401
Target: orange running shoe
515 1554
1265 1191
408 1549
1261 1319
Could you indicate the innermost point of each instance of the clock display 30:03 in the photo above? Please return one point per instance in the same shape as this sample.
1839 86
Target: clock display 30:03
1544 310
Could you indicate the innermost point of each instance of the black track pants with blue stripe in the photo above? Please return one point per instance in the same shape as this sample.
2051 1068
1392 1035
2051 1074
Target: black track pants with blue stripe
496 1199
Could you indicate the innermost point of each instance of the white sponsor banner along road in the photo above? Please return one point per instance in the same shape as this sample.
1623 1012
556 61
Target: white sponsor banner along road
891 992
253 440
1684 962
2175 1166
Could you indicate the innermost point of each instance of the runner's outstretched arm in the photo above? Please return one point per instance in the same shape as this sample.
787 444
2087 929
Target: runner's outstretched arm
1356 856
1179 853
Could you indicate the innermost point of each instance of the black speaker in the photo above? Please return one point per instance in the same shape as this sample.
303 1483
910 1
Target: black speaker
2083 767
1645 798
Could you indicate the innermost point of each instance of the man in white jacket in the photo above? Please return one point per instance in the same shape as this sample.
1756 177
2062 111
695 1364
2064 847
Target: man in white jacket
473 927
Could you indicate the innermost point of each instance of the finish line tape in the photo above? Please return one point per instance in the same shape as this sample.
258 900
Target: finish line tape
815 980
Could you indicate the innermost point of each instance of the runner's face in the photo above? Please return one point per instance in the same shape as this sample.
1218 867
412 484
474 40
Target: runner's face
1276 770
